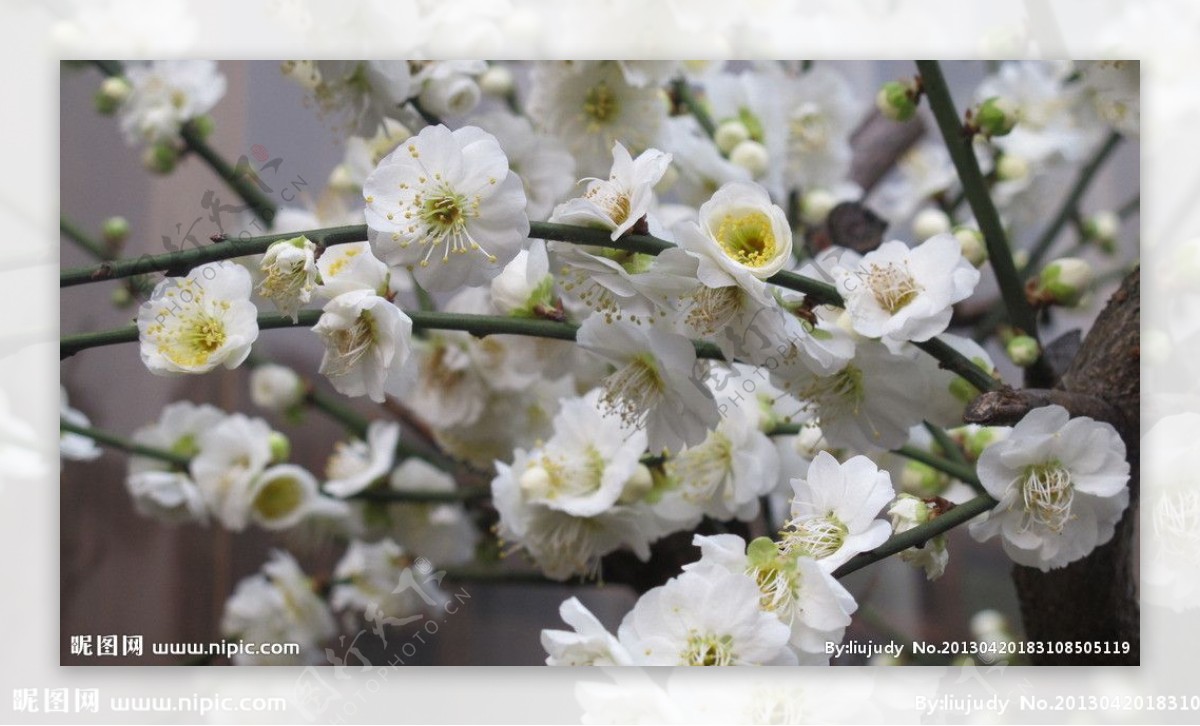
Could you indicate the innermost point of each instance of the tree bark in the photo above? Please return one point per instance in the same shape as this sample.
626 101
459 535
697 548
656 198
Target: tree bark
1096 598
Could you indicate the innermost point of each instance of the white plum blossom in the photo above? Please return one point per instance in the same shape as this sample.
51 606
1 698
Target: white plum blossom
589 106
708 617
835 510
909 511
741 239
443 533
526 285
193 324
357 464
545 167
350 268
275 388
371 579
620 201
1062 485
156 490
899 294
168 496
798 590
446 206
282 496
366 338
230 456
362 93
753 99
588 643
653 386
75 447
448 88
700 166
165 94
278 605
1115 87
363 154
289 271
821 112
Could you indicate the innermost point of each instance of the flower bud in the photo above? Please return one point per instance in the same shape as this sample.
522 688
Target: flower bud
113 92
121 297
1011 167
897 100
1103 228
160 158
1064 281
204 125
729 134
973 246
996 116
281 448
1023 350
453 95
497 81
115 230
930 222
275 387
816 206
922 479
989 625
340 179
535 482
751 156
975 439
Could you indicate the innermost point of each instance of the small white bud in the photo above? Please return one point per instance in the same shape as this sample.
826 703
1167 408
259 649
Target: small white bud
535 482
496 81
729 134
930 222
1064 281
451 96
751 156
1023 350
340 179
816 206
974 249
275 387
1011 167
281 448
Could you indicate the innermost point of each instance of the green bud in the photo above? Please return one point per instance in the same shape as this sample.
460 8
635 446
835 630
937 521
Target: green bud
977 438
1102 229
113 92
922 479
115 230
160 158
281 448
996 116
121 297
896 100
204 125
1065 281
1023 350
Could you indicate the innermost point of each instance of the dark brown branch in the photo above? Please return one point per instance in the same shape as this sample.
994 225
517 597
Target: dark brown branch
878 144
1008 406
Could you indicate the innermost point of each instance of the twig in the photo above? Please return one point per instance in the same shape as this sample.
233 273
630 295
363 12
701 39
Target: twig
687 99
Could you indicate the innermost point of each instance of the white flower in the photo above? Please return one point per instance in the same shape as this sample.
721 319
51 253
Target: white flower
525 285
370 577
364 93
588 643
443 533
275 387
900 294
700 165
446 206
654 386
355 465
157 491
230 456
835 508
754 99
366 338
289 275
165 94
545 167
623 199
800 591
591 107
278 605
1115 86
821 112
76 447
1061 484
282 496
907 512
724 475
742 238
193 324
168 496
705 617
349 268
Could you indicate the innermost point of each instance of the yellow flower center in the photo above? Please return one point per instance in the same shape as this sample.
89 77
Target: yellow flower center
600 105
747 238
280 497
816 537
1047 493
708 649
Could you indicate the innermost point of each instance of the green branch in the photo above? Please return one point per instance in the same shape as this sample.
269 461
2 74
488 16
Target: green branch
83 240
124 444
920 534
240 181
1070 205
1012 289
184 260
687 99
